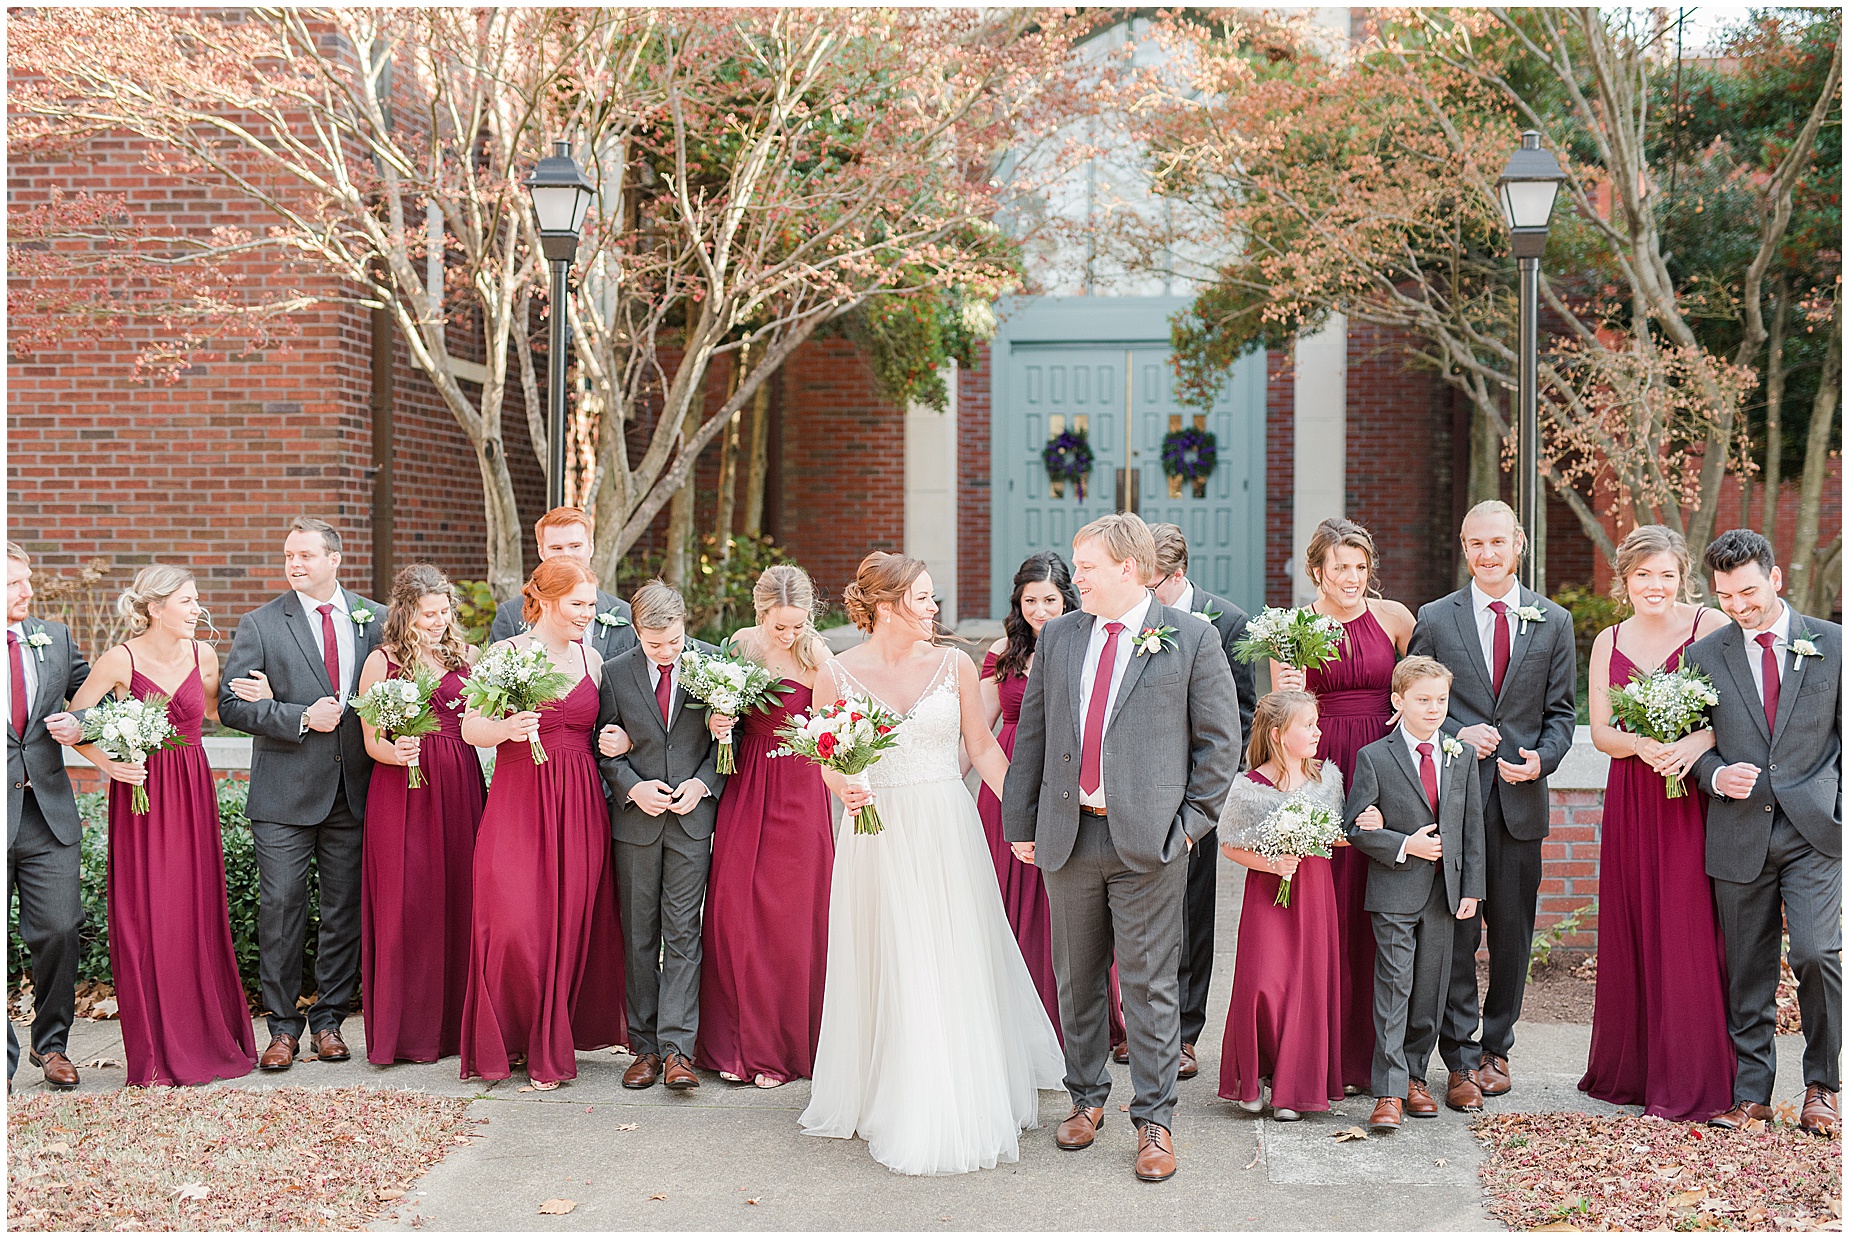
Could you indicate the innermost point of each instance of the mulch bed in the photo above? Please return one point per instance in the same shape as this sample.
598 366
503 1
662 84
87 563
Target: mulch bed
221 1158
1560 992
1592 1172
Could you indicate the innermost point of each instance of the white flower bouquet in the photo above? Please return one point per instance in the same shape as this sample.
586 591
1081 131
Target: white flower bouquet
1664 706
510 679
1295 636
401 706
848 736
1298 827
728 685
129 729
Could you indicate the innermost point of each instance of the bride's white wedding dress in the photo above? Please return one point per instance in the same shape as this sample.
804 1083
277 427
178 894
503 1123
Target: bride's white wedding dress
934 1043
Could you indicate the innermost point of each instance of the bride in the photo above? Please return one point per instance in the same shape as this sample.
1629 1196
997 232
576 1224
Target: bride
934 1042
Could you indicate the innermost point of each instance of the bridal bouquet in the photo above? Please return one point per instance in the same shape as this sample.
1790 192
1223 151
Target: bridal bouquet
728 685
1295 636
402 707
847 736
509 680
128 729
1665 706
1298 827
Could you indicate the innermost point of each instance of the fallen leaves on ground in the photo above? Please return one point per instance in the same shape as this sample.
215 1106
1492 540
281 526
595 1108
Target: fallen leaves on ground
219 1158
1628 1172
1789 1021
558 1206
1349 1133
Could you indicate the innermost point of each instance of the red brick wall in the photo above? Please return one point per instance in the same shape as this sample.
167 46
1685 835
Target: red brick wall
1570 864
974 431
1280 474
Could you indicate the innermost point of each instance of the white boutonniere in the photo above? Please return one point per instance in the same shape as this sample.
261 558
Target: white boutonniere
1209 615
1801 649
610 619
38 640
1155 640
361 615
1451 747
1529 614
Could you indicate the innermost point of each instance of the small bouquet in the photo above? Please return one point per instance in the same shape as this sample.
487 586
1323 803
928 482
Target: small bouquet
847 736
510 679
129 729
1295 636
1664 706
728 685
402 707
1298 827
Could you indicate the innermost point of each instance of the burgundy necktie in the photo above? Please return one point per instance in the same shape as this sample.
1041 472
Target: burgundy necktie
1091 753
1499 646
17 657
330 646
1768 672
1428 777
664 690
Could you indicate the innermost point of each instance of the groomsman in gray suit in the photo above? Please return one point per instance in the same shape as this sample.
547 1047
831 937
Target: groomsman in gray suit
567 532
43 831
1173 589
1127 744
292 667
1775 820
662 813
1511 651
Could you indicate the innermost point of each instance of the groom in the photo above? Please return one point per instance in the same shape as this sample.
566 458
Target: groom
1127 744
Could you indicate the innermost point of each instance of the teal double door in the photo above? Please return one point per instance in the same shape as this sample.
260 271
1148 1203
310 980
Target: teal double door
1101 366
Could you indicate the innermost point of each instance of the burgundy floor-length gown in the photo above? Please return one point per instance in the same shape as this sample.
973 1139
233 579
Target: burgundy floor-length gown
1284 1020
766 932
1659 1013
1354 701
1023 891
417 882
184 1016
546 962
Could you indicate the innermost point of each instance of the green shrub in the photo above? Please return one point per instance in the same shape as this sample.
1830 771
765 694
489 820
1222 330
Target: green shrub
475 610
1592 613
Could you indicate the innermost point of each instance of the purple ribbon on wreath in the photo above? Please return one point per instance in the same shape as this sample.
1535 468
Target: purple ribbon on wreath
1068 458
1189 453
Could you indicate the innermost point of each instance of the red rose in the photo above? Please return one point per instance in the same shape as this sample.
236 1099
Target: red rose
825 744
853 716
884 729
839 702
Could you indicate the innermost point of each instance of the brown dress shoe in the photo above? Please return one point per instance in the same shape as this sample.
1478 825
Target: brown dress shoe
329 1048
1462 1093
1493 1076
1387 1114
61 1072
1080 1128
679 1072
1818 1118
643 1072
280 1054
1190 1065
1155 1153
1419 1103
1121 1052
1740 1114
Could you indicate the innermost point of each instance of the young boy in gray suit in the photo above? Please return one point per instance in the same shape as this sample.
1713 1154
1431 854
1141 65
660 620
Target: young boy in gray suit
1415 806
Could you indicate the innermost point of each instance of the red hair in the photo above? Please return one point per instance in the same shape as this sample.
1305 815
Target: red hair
551 581
556 518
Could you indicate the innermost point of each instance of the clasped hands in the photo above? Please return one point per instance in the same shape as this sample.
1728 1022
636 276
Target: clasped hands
323 715
654 797
1484 738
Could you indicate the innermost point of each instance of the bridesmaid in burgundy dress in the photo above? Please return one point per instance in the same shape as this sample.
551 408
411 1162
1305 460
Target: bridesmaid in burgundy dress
766 932
1353 698
1284 1024
419 846
1659 1014
546 961
184 1016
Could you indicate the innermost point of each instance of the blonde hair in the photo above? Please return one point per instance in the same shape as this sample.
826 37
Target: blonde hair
1644 542
409 587
1409 671
1125 536
551 581
1275 712
883 577
154 583
1496 507
657 605
786 585
16 551
1171 550
1335 532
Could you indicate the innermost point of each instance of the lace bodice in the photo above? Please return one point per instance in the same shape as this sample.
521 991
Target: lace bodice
927 749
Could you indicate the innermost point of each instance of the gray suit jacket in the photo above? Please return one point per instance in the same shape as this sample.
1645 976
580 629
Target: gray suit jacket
671 753
608 640
35 756
1800 763
1385 776
1230 623
1536 710
1171 745
294 773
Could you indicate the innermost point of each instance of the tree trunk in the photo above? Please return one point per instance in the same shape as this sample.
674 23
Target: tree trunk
757 464
1775 403
1807 585
677 567
506 571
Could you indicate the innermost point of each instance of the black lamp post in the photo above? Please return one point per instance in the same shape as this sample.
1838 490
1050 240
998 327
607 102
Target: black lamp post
561 198
1527 188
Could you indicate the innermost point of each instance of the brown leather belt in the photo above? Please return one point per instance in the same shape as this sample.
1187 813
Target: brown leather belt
1085 808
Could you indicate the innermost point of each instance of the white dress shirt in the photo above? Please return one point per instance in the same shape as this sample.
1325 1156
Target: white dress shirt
1186 601
674 682
1412 744
1486 618
1132 620
1780 629
346 638
28 659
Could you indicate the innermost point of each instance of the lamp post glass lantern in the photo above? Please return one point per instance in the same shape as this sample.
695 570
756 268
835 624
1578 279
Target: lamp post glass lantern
561 199
1526 191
